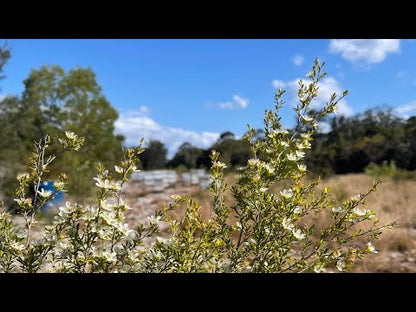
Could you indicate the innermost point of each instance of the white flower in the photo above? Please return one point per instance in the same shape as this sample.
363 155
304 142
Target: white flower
371 248
17 246
297 210
292 157
58 185
360 212
263 189
337 210
253 162
356 197
286 224
70 135
118 169
107 184
287 193
305 136
153 220
298 234
302 167
219 164
23 176
307 118
110 256
300 154
269 169
341 264
45 193
284 144
176 197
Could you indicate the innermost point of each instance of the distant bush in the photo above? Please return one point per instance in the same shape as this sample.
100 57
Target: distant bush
271 231
389 169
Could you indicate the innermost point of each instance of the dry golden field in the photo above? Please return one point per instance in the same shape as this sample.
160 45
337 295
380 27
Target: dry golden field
394 200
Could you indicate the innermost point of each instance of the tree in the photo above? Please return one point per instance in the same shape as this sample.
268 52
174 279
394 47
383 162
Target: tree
187 156
62 101
154 157
5 55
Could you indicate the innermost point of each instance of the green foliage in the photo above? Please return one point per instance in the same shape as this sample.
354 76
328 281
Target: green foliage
389 169
5 55
260 232
353 143
55 101
186 157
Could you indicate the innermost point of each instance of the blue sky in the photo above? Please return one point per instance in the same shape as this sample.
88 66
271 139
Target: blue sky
193 90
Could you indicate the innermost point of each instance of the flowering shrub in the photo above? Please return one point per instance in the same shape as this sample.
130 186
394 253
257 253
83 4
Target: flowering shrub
260 232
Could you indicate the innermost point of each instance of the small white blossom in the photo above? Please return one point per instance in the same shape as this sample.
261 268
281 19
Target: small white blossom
287 193
263 189
360 212
292 157
176 197
341 264
219 164
286 224
284 144
307 118
118 169
302 167
70 135
17 246
300 154
356 197
153 220
371 248
23 176
298 234
45 193
107 184
337 210
269 169
109 256
297 210
58 185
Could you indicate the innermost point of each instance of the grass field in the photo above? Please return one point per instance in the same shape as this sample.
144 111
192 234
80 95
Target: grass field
394 200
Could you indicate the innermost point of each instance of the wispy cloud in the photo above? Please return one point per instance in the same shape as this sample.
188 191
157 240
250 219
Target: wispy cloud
144 110
406 110
134 126
327 87
297 59
364 51
237 102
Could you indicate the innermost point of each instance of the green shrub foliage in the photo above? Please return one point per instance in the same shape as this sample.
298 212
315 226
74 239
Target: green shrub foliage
260 232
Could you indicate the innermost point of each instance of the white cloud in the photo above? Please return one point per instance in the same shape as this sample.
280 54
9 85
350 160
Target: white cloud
278 84
297 59
144 110
135 126
404 110
366 51
236 103
327 87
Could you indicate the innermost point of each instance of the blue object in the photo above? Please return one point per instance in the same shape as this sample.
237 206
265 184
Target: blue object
56 201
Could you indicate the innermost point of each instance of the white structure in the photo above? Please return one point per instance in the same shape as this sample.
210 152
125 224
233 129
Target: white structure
159 180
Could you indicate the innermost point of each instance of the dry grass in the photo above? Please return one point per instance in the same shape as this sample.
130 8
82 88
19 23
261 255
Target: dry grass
392 201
